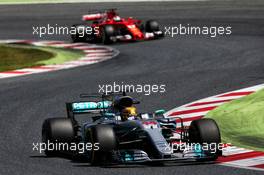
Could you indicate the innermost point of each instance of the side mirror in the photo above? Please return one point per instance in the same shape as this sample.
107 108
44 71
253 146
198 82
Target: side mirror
159 112
109 115
136 102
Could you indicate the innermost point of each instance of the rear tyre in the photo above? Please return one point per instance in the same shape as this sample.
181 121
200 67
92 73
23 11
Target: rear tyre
57 130
206 131
78 36
83 34
104 136
107 33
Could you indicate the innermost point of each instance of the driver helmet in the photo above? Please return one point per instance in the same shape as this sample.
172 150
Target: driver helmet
117 18
129 113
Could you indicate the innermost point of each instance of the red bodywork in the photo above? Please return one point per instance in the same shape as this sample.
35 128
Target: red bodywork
130 25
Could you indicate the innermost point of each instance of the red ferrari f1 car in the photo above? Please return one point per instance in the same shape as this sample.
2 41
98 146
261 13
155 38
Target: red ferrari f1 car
107 27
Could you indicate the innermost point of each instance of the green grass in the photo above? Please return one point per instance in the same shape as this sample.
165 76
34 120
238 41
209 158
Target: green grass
242 121
14 57
61 55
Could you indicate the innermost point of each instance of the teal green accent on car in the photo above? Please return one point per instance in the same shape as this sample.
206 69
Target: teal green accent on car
104 104
129 156
84 106
198 150
81 106
108 114
160 112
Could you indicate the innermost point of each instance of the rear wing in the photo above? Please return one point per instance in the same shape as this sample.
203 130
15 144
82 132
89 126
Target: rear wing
97 14
87 107
92 17
83 107
99 105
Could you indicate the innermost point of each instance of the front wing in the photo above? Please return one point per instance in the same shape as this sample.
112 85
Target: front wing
141 157
147 36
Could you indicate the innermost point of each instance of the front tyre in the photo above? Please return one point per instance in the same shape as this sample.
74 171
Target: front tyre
206 131
152 26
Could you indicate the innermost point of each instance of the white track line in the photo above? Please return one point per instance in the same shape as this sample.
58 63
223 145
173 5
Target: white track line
248 158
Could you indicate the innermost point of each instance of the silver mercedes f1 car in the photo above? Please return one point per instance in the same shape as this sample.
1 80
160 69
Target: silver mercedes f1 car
117 134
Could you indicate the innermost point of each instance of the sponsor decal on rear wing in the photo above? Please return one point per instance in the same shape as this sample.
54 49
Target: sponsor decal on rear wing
86 107
92 17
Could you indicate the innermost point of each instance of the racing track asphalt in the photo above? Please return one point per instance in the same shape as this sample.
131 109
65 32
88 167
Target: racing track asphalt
191 67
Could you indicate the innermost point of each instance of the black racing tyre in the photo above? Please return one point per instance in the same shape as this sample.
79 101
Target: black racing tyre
151 26
81 35
108 31
205 131
105 137
57 130
77 37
